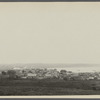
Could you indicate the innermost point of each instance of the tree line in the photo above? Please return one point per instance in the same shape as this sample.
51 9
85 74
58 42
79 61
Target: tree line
48 73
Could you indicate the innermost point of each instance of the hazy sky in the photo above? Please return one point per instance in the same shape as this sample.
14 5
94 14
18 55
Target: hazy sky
50 32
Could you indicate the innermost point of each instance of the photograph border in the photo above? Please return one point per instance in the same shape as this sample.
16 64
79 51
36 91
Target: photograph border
49 0
71 97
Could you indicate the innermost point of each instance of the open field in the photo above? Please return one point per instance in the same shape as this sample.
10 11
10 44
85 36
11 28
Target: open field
48 87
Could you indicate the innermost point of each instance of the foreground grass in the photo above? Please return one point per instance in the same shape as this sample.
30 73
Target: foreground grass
47 87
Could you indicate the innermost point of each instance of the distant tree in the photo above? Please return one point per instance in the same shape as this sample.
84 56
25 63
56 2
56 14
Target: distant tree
63 74
12 74
4 73
95 78
63 71
24 72
66 78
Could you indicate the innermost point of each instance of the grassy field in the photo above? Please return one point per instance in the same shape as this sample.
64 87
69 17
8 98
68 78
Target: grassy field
47 87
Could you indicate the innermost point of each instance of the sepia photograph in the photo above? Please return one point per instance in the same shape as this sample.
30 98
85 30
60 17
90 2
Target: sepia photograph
49 48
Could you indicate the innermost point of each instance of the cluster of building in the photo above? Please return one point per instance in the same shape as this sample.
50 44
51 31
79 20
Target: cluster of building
42 73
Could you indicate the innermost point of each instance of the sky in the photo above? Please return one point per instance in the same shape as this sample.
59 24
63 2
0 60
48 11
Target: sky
50 33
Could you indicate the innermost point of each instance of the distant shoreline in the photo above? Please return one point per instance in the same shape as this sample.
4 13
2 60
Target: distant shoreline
68 67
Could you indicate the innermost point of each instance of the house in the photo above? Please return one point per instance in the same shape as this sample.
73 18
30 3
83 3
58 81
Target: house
90 78
24 77
48 75
31 75
52 73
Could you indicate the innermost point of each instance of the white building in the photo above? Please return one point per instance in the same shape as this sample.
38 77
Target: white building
31 75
